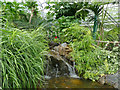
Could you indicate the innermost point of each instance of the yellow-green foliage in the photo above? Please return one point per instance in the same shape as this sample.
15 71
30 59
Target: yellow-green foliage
91 62
75 33
22 58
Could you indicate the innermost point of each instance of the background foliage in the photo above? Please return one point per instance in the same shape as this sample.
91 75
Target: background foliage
18 14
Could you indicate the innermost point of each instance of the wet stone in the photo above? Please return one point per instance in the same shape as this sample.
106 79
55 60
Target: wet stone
58 60
57 68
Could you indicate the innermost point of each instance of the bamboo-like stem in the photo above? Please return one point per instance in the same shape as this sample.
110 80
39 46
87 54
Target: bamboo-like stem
31 15
102 32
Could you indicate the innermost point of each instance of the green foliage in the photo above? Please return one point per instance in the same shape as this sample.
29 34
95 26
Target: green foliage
35 23
75 33
13 11
32 5
55 27
91 62
22 58
112 35
67 13
18 14
65 22
67 9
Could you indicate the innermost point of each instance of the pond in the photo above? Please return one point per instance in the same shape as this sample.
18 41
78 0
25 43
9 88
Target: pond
68 82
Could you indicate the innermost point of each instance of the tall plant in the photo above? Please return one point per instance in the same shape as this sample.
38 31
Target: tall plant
97 9
22 58
32 6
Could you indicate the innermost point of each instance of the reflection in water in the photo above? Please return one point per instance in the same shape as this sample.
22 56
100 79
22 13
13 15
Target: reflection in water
66 82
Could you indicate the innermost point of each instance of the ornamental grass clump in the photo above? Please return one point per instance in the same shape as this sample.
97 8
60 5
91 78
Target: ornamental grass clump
22 58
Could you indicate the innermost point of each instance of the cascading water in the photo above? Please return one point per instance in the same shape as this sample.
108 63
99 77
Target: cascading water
71 69
57 70
47 76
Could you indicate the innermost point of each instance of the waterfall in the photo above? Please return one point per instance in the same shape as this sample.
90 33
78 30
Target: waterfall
71 69
57 66
57 70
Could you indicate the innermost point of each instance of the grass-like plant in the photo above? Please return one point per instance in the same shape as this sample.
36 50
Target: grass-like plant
22 58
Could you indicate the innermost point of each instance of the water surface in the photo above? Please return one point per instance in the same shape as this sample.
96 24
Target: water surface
68 82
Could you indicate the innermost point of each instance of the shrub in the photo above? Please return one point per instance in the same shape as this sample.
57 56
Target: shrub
91 62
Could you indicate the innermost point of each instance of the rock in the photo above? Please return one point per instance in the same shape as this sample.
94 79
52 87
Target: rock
52 44
102 80
54 54
56 67
63 50
112 80
56 60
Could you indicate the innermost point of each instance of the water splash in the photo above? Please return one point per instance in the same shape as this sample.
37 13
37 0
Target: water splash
47 77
